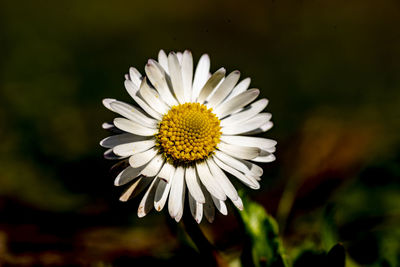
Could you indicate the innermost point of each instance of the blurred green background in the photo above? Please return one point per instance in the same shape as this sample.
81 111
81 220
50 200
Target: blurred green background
331 70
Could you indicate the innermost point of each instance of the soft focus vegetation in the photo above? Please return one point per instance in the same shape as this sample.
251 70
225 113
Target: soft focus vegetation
331 70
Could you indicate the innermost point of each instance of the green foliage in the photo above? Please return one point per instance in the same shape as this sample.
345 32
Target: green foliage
265 245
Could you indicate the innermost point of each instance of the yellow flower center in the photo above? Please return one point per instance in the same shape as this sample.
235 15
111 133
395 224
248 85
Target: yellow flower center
188 132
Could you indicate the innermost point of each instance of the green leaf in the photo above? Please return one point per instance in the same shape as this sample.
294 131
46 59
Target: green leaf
264 245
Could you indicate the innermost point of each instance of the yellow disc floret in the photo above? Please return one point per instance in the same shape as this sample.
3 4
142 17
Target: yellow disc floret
188 132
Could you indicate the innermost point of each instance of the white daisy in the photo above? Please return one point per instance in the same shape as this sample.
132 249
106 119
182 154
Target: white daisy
185 134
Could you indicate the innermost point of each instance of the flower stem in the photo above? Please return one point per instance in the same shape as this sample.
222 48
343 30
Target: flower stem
206 249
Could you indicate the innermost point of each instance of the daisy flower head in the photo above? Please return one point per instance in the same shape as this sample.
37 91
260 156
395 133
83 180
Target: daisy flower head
185 134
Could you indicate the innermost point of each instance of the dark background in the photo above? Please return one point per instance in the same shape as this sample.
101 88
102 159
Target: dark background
331 70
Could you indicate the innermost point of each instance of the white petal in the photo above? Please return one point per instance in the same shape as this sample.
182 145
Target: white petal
264 153
253 169
178 216
258 178
246 113
263 128
192 182
107 101
210 85
109 154
152 98
252 176
209 181
231 161
167 172
107 125
154 166
179 55
260 142
241 152
240 165
135 76
238 203
133 114
163 60
270 150
201 75
136 187
180 211
236 103
222 180
249 181
196 209
208 207
128 192
129 149
248 126
142 158
187 74
127 175
239 88
220 205
133 127
118 139
146 204
192 205
176 77
162 192
268 158
223 89
199 212
175 197
158 78
132 90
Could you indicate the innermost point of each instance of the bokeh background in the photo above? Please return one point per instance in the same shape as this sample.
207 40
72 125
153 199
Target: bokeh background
331 70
